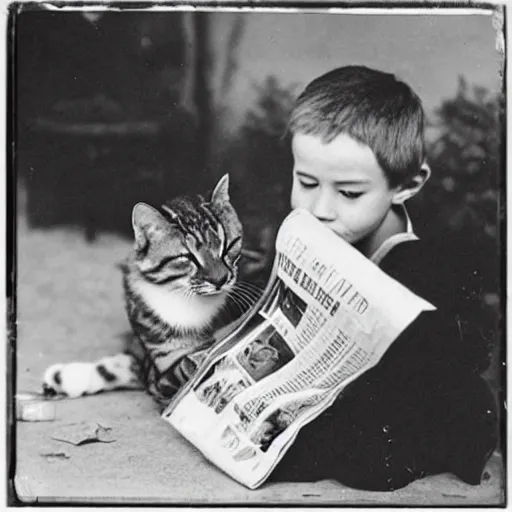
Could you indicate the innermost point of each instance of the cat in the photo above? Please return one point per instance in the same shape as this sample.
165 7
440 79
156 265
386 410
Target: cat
177 280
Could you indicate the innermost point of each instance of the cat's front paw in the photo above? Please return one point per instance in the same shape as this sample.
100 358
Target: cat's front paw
78 379
70 379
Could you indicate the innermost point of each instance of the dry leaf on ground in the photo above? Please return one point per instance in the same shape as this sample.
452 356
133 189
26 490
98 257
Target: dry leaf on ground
82 433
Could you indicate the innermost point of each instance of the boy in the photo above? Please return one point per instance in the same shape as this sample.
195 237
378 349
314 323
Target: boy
357 143
358 148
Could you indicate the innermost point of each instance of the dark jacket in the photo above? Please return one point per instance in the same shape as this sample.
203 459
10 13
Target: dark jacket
423 409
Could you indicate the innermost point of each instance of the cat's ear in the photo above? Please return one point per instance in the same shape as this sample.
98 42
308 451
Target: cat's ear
221 192
144 219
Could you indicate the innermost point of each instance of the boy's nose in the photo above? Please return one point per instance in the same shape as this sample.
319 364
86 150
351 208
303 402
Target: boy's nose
323 207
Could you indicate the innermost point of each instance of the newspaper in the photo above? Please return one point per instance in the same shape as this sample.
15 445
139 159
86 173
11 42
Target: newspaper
327 315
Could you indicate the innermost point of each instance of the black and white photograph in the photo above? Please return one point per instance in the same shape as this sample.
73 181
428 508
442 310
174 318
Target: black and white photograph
154 150
292 306
265 355
221 384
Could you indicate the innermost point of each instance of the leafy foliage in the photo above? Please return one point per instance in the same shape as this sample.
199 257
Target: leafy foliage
272 110
464 191
465 158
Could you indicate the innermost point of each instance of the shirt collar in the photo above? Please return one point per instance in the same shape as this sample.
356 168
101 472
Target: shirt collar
394 240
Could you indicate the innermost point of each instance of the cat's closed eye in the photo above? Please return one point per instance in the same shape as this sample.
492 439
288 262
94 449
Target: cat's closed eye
234 249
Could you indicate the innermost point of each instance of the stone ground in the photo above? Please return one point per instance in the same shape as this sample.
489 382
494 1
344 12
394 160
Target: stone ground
70 308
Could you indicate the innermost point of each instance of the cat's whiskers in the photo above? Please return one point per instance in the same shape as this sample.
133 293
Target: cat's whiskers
251 290
250 299
246 301
251 295
235 302
250 286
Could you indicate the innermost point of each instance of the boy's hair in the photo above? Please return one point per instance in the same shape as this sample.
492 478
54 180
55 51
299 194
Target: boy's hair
372 107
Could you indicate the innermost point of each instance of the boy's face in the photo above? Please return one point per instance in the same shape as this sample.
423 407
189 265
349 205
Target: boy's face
342 185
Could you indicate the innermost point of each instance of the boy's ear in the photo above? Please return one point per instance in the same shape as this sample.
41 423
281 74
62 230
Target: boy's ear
413 187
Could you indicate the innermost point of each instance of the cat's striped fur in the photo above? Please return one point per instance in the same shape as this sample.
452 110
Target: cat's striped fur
176 282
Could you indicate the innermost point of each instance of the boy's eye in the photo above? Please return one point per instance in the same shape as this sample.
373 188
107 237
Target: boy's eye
350 195
308 184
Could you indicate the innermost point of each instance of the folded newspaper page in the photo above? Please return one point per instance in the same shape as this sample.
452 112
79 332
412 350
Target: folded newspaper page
327 315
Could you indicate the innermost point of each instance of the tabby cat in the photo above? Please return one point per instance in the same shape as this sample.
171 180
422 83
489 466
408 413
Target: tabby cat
176 281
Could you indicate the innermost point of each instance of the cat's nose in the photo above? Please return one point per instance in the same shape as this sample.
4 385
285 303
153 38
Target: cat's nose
219 281
215 272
